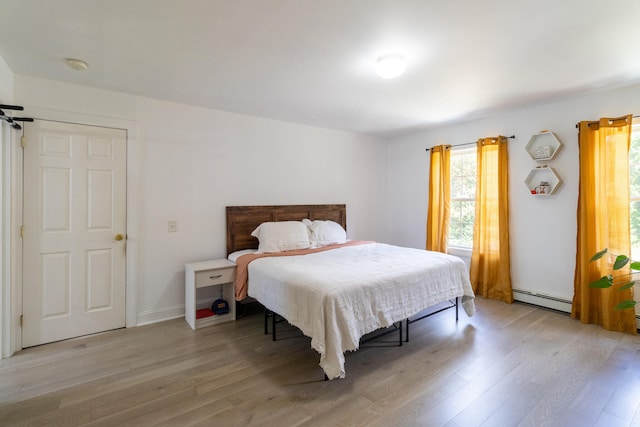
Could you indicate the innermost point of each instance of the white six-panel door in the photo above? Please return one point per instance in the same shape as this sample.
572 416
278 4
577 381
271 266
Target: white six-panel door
74 243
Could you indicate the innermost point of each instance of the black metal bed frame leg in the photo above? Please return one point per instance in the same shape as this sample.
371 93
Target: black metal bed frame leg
400 332
273 326
456 305
268 313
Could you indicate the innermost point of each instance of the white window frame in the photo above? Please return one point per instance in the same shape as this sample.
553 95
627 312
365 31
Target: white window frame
464 251
635 254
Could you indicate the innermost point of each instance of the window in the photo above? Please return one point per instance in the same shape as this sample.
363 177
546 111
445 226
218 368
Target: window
634 176
463 197
634 179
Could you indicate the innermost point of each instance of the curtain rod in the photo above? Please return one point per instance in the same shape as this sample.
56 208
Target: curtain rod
470 143
635 116
12 120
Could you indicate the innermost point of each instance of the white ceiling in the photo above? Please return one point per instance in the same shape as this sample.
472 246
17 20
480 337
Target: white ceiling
312 61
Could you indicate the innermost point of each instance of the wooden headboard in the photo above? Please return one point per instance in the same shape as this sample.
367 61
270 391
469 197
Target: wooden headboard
242 220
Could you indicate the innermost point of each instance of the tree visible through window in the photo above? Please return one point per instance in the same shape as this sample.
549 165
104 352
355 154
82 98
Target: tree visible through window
463 197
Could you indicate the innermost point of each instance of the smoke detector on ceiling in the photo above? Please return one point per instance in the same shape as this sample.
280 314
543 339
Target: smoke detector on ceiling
76 64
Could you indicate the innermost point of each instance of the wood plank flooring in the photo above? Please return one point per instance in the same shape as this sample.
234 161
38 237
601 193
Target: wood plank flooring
509 365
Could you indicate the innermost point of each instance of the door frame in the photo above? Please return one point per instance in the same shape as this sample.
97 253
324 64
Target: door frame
11 331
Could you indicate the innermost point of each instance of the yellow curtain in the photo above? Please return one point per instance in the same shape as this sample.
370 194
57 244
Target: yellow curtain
438 210
490 260
603 221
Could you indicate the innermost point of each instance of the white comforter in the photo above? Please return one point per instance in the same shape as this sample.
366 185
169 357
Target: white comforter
336 297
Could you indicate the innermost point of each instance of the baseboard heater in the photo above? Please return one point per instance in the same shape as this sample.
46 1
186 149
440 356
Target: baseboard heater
557 303
543 300
535 294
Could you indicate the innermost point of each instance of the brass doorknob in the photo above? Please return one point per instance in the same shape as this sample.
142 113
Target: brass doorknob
119 237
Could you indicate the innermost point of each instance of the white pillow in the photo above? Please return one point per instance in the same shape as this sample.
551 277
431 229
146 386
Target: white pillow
282 236
325 233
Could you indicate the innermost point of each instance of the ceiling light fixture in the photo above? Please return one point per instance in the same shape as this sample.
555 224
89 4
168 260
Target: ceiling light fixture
76 64
390 66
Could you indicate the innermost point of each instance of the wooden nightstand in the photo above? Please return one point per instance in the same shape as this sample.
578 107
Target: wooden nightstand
219 272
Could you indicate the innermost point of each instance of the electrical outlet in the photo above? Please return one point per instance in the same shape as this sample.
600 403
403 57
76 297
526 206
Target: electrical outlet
173 226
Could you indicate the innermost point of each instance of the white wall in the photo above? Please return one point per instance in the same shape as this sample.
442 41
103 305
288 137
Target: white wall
192 162
6 97
6 83
542 230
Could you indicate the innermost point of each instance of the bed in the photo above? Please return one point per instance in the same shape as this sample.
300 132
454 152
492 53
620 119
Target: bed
337 293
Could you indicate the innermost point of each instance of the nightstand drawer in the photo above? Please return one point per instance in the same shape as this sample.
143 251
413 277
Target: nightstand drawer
215 277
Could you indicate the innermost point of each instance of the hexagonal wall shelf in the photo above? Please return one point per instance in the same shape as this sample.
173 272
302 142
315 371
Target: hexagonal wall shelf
543 146
542 181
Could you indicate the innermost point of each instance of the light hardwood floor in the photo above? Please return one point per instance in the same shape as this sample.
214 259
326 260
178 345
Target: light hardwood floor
509 365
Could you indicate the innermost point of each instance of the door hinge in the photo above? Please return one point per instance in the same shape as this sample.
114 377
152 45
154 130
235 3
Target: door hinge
22 231
22 144
21 320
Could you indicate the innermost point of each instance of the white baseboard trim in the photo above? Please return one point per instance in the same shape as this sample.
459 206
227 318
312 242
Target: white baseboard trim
549 301
168 313
160 314
542 300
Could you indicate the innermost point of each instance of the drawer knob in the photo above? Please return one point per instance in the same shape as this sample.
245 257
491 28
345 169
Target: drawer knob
215 277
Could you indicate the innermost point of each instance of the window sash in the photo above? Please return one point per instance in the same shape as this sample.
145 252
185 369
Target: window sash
461 193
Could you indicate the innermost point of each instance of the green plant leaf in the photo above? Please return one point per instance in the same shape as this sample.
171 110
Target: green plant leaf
599 255
607 281
603 282
621 261
627 286
625 305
